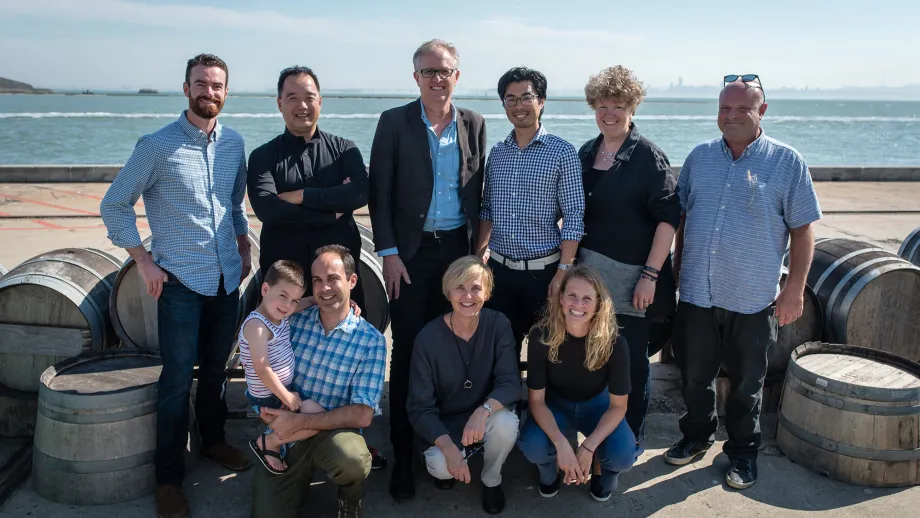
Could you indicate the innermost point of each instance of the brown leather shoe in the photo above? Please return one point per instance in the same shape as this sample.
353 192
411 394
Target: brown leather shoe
171 502
228 456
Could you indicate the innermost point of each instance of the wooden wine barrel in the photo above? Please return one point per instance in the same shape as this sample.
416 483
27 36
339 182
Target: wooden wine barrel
910 248
134 313
853 414
807 328
370 269
96 432
870 296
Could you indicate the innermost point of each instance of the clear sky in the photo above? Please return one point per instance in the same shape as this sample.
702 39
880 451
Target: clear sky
368 44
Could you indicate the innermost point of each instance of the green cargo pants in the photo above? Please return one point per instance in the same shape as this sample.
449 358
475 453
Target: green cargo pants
342 454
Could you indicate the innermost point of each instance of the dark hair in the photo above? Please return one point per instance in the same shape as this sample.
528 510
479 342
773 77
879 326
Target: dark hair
284 271
343 253
296 70
208 60
517 74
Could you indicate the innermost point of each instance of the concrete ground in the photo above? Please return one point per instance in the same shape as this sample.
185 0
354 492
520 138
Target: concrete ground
35 218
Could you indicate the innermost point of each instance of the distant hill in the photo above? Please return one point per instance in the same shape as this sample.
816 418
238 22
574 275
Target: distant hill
8 86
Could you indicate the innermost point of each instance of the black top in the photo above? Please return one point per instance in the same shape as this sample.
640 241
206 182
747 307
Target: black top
625 204
437 403
318 166
569 378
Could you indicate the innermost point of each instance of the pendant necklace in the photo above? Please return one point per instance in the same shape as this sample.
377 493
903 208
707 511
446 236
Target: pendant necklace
466 364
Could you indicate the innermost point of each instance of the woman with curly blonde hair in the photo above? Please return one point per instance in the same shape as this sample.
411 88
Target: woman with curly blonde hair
578 378
631 215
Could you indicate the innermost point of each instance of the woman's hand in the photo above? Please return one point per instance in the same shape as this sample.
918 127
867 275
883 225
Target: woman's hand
568 463
585 458
475 429
456 464
644 294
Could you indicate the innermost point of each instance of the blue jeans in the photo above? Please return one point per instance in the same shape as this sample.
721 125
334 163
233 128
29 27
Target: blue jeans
616 453
192 328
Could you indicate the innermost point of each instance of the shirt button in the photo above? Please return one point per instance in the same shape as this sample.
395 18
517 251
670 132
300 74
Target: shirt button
421 215
717 229
713 251
728 185
590 193
723 207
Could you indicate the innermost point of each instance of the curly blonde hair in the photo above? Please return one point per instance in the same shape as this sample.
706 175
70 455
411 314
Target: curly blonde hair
615 83
603 330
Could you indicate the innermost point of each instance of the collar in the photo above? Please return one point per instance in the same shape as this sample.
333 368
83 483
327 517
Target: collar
626 148
347 326
196 134
290 138
753 147
453 110
539 137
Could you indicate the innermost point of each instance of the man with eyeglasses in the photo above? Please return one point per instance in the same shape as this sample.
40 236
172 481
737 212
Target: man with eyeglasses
426 170
533 179
743 195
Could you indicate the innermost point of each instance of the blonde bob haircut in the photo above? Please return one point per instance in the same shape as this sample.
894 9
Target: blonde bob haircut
463 271
603 330
617 83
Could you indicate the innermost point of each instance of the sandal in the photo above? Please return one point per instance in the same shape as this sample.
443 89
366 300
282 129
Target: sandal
262 452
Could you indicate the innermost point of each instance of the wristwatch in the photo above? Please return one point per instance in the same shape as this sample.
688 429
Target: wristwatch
564 266
488 408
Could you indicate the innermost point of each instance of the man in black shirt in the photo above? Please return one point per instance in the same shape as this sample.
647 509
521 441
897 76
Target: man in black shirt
305 184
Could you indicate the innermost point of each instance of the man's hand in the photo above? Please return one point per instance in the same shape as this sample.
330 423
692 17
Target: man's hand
394 271
284 422
456 464
242 244
475 429
153 277
295 197
789 305
644 294
555 283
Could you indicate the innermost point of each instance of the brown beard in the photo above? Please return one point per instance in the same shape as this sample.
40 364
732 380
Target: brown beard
206 112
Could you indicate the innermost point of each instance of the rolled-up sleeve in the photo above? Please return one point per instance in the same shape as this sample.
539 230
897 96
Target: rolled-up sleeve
663 203
367 384
240 221
117 206
800 206
571 196
422 402
506 387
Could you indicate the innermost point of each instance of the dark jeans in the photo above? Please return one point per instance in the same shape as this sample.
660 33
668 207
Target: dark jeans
636 331
706 339
418 304
192 327
520 295
616 454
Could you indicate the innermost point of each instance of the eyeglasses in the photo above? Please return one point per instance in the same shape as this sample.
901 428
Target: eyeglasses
526 100
443 73
747 79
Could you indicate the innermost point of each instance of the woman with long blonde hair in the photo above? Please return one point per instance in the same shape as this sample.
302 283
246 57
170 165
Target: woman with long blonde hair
578 377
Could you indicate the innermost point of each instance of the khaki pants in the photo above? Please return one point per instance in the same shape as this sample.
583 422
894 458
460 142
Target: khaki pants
344 456
501 435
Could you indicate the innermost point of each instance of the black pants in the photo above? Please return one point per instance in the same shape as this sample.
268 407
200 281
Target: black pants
708 338
636 331
520 295
418 304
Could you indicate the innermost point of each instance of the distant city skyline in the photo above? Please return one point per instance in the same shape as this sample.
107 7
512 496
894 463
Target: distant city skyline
820 48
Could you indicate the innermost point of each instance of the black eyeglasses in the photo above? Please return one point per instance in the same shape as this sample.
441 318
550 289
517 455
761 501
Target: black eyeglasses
444 73
752 80
526 100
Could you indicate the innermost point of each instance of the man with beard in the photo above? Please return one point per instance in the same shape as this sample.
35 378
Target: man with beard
533 179
192 176
426 182
339 362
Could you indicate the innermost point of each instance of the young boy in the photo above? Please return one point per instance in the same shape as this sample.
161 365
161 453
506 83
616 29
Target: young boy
268 357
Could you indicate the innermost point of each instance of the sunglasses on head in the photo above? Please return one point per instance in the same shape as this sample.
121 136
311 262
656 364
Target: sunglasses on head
752 80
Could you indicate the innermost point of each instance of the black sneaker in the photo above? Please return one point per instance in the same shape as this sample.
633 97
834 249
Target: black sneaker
551 490
686 451
493 499
378 461
742 474
444 484
597 490
402 480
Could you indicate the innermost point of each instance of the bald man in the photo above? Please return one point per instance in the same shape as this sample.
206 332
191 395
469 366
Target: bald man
743 195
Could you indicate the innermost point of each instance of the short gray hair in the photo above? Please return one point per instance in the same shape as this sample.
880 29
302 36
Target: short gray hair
433 45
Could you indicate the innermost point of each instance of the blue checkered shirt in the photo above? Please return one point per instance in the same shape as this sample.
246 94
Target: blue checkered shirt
738 216
193 193
527 191
347 367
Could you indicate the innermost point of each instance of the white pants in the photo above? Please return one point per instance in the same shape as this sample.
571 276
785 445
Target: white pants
500 437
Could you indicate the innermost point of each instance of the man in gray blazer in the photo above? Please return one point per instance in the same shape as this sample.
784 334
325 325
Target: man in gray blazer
426 171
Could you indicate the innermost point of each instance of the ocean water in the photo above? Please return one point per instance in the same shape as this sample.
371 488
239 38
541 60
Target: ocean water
102 129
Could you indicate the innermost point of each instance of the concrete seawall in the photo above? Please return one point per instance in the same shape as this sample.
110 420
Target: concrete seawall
106 173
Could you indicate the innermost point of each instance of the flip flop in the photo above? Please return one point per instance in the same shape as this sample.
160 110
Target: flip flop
262 452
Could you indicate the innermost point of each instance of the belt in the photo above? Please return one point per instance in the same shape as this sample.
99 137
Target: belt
529 264
440 234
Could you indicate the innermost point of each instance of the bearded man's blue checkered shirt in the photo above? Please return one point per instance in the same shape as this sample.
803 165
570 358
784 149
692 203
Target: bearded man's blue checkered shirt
193 189
527 190
344 367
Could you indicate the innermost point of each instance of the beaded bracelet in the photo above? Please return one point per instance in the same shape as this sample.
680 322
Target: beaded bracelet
649 277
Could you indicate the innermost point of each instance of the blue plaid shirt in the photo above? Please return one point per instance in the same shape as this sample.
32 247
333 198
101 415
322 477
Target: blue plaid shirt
527 191
347 367
193 192
739 213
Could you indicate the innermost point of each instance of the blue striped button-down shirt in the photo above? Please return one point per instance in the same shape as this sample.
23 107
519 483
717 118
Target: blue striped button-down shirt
527 191
738 216
345 367
193 193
